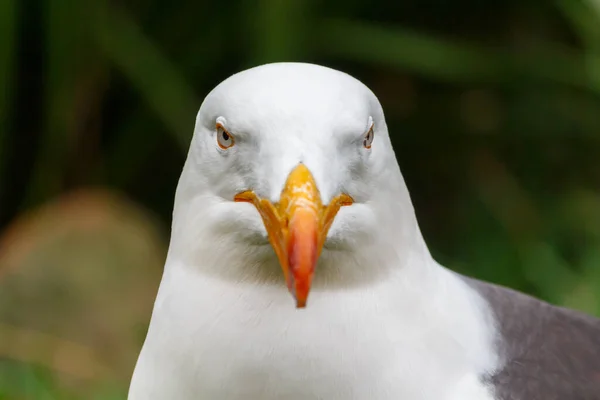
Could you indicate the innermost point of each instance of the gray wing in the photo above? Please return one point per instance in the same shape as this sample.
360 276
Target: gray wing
551 353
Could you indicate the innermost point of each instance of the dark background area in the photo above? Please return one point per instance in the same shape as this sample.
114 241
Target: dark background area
493 108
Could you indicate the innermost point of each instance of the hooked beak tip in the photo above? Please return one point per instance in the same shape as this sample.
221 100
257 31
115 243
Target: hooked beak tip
300 303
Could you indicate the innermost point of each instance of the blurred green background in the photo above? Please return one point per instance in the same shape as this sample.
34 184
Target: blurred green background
493 107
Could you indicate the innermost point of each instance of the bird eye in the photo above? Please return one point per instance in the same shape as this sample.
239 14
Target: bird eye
224 138
368 140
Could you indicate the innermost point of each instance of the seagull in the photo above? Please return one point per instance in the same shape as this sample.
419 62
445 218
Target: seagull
297 270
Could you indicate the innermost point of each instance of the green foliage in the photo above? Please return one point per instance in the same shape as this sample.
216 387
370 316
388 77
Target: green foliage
7 60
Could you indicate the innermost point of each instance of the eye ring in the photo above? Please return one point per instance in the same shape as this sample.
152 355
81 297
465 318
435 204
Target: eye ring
368 138
225 139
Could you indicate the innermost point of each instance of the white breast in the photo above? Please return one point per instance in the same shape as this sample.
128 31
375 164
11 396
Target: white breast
211 339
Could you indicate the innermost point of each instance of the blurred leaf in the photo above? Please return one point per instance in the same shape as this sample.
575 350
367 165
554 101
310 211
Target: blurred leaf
8 25
62 36
584 16
122 163
583 297
584 19
579 210
512 207
586 295
448 60
161 85
78 278
27 382
504 197
20 382
547 270
591 268
279 30
408 49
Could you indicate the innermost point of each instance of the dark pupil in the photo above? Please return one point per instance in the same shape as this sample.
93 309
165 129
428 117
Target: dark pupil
225 136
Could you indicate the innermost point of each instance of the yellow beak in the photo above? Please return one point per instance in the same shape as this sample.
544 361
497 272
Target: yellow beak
297 227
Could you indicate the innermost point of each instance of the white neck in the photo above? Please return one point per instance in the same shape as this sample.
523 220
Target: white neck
420 333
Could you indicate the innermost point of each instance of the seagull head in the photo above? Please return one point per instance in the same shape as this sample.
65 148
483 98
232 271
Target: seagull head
294 158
